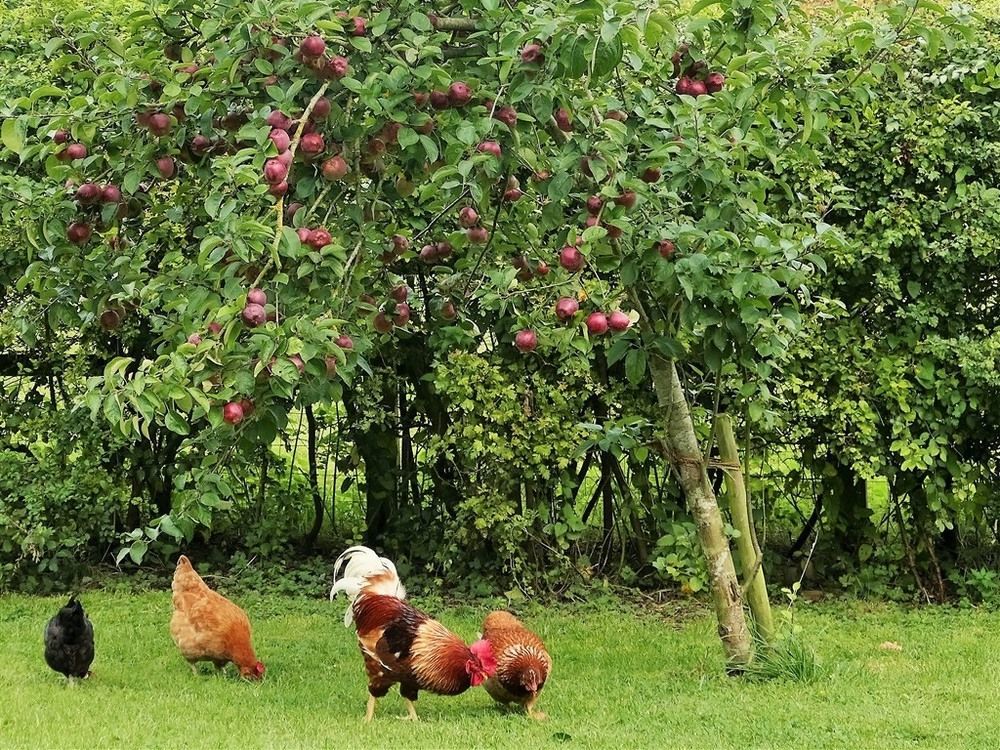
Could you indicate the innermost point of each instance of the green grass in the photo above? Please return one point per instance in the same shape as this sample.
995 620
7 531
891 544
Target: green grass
621 680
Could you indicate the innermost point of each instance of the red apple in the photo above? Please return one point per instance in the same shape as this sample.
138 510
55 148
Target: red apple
666 248
594 204
402 316
165 166
619 321
344 341
626 199
532 53
280 139
159 124
338 67
78 232
88 193
400 293
232 412
75 151
335 168
257 296
478 235
359 26
468 217
281 121
321 109
490 147
214 328
111 194
526 341
312 46
382 323
571 259
597 324
459 94
564 120
714 82
254 315
194 338
312 145
305 234
319 239
651 175
274 171
566 308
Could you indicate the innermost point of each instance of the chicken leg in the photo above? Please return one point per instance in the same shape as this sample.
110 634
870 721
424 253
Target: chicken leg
529 706
370 710
411 711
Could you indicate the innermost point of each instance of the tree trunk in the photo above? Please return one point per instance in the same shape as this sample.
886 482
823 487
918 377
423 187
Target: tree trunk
687 460
746 548
317 497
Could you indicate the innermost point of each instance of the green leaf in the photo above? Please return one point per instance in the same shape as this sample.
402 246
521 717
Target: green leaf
176 423
635 365
12 134
137 551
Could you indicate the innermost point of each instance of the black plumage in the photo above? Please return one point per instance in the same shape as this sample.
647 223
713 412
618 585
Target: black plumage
69 641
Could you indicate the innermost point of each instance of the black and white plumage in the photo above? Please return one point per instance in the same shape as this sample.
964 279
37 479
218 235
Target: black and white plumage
69 641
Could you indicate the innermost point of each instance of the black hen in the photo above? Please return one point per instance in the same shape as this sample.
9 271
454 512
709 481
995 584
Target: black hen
69 641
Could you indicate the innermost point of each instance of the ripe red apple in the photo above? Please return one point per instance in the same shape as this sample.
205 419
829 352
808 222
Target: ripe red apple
305 235
281 121
507 115
626 199
428 254
564 120
78 232
319 239
532 53
594 204
459 94
344 341
248 407
88 193
275 171
400 244
697 88
359 26
201 144
478 235
111 194
571 259
214 328
439 100
613 231
254 315
427 127
194 338
60 136
257 296
592 221
402 316
165 166
338 67
542 269
159 124
312 47
513 195
280 139
278 190
666 248
335 168
75 151
232 412
651 175
714 82
490 147
312 144
420 98
400 293
683 85
448 311
526 341
468 217
321 109
566 308
285 158
619 321
541 175
382 323
291 209
597 324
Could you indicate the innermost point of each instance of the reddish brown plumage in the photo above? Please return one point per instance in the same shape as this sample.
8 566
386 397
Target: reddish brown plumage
402 645
523 664
208 627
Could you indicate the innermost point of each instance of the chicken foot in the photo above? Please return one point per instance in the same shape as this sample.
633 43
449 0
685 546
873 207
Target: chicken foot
370 710
529 707
411 711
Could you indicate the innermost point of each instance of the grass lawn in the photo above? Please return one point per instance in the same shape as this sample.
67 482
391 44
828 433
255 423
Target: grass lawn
621 680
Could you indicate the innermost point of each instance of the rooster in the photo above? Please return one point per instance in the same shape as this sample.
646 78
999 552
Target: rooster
523 664
69 641
401 644
206 626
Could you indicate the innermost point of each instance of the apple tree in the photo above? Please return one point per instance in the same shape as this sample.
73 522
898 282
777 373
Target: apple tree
244 205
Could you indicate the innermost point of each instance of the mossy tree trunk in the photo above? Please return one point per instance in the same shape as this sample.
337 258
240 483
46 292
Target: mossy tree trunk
687 459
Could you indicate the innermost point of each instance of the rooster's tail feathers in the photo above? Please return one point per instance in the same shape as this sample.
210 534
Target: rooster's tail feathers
361 569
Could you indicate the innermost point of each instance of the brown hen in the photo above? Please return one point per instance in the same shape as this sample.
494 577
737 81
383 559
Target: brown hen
523 664
206 626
